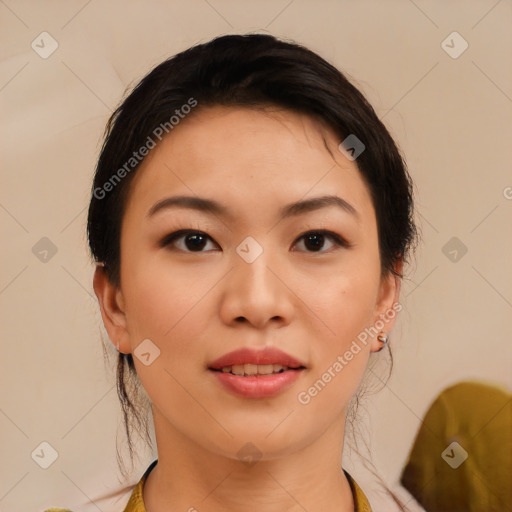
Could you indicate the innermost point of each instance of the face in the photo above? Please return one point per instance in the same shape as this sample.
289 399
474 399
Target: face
307 282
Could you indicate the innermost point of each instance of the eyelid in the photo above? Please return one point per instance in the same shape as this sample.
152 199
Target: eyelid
339 241
181 232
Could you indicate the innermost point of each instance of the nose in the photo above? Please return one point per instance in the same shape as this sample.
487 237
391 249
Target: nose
257 293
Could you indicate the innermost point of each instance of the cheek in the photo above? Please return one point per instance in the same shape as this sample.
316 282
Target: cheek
339 357
345 304
345 301
165 309
160 299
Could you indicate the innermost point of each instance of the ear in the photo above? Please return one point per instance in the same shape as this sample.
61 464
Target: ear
387 306
111 302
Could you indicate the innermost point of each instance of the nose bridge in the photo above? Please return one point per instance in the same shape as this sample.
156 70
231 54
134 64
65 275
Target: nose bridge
252 264
254 291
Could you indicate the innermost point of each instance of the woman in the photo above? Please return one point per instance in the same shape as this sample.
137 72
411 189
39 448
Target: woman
250 220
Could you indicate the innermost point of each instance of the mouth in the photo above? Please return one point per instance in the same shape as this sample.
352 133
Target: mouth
253 381
256 370
257 373
251 361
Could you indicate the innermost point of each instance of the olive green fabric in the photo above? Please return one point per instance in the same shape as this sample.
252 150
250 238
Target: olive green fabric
474 474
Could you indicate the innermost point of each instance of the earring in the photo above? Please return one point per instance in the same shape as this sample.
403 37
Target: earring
383 338
117 346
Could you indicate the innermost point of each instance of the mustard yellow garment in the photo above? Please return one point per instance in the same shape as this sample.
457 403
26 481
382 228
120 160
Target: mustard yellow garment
461 460
136 501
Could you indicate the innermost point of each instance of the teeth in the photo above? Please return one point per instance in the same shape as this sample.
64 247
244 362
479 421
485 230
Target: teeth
254 369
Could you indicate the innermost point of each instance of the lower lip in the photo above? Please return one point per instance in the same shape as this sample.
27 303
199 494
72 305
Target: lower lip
258 386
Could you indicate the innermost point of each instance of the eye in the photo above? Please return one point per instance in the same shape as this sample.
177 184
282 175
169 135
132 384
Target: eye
195 241
316 239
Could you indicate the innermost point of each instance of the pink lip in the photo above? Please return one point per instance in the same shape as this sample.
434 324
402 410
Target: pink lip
267 355
257 386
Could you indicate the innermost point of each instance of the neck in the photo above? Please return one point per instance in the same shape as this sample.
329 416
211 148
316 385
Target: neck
190 477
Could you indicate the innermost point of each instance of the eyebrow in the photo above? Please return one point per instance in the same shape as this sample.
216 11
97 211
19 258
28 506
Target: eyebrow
215 208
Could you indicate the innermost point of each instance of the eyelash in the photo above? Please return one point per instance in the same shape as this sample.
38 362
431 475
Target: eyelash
338 240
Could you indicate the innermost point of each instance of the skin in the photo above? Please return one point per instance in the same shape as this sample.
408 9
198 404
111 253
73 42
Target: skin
196 306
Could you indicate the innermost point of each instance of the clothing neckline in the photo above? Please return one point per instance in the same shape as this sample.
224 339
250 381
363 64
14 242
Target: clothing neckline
136 501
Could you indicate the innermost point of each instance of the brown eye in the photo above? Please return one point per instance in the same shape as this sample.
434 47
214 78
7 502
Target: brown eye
193 241
314 241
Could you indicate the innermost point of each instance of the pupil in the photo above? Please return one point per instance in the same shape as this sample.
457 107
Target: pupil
197 243
319 241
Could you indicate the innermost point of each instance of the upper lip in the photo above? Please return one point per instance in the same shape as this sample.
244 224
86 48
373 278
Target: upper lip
267 355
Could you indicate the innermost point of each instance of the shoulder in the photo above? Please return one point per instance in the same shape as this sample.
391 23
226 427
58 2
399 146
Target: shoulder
136 501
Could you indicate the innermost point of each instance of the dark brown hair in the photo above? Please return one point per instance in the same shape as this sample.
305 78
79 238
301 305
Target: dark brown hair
244 70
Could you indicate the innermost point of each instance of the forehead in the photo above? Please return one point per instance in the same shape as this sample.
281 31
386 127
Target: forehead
249 157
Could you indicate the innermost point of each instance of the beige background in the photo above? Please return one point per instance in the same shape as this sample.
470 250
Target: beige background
452 118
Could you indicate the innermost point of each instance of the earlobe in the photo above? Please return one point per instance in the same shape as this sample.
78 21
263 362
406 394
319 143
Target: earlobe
387 307
112 307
